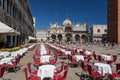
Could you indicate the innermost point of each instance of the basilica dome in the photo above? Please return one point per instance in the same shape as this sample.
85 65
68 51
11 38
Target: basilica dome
66 22
77 25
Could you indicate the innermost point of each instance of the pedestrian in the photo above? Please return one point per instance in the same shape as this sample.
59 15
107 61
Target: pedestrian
106 45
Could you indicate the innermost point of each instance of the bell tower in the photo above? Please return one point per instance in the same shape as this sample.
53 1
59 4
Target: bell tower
113 21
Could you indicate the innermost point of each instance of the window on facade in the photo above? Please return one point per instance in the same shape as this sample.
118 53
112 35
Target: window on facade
105 30
98 30
0 2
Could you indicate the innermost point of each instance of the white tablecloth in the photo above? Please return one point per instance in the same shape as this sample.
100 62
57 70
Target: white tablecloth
88 53
45 58
46 71
67 52
4 54
6 60
43 50
103 68
106 57
78 50
78 57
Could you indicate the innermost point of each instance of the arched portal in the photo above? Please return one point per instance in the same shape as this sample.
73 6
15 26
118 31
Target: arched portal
77 38
53 37
68 37
83 38
59 37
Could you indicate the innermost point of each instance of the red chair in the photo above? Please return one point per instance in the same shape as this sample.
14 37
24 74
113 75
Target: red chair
114 58
62 75
31 69
84 67
14 64
72 60
53 60
2 70
94 74
95 56
36 61
38 55
59 67
118 69
31 77
100 58
87 60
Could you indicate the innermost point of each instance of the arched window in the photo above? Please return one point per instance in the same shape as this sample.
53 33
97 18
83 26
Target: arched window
98 30
105 30
0 2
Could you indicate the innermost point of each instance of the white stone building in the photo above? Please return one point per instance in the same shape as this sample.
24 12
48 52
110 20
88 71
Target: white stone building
42 35
98 32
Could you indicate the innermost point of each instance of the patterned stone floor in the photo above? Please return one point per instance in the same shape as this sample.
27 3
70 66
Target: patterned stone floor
99 49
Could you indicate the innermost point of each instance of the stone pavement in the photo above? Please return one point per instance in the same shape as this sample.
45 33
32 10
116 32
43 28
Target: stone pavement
19 75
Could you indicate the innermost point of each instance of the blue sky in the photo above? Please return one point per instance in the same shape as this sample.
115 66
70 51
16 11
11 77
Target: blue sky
50 11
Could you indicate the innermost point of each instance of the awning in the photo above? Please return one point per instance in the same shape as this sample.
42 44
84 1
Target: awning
32 38
5 29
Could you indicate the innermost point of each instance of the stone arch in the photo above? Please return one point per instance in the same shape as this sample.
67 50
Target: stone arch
83 38
68 37
59 37
77 37
68 29
53 36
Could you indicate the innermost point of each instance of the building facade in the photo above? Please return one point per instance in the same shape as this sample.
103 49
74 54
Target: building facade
114 21
99 33
16 15
67 32
42 35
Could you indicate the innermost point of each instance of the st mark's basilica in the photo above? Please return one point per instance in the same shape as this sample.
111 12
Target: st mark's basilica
67 32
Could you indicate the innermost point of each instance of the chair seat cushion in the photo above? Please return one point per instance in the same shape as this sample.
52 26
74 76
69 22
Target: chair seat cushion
34 78
113 75
34 72
96 74
59 78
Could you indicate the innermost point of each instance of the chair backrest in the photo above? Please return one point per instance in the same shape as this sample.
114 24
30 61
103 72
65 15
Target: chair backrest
117 67
62 75
69 56
53 60
26 74
18 58
29 67
2 70
89 69
15 61
100 58
33 56
60 67
73 60
82 64
87 59
114 58
94 55
66 70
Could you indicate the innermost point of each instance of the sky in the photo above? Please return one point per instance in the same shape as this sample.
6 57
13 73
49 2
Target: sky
78 11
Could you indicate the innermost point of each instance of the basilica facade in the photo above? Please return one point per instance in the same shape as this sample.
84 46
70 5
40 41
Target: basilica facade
67 32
